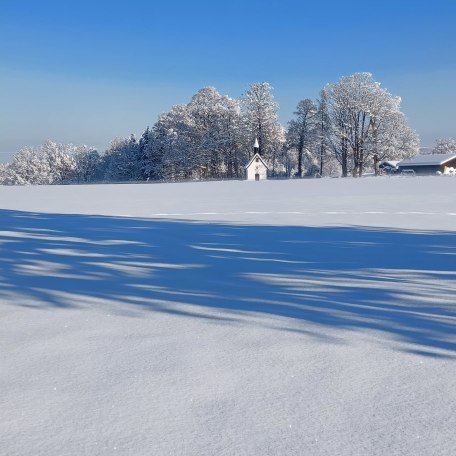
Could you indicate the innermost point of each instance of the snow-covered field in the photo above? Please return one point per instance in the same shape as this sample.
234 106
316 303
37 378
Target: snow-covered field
313 317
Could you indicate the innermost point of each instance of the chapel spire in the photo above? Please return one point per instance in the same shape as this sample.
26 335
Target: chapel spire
256 147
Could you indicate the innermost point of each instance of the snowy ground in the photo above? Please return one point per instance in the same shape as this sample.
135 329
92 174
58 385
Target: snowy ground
313 317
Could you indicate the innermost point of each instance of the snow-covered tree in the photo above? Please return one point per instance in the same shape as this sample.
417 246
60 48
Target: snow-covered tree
201 139
212 130
169 154
121 161
323 130
29 166
87 164
301 134
144 148
366 121
353 99
445 146
60 160
4 174
339 115
259 111
391 138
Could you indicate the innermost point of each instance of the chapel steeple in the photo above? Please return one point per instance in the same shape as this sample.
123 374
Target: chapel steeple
256 147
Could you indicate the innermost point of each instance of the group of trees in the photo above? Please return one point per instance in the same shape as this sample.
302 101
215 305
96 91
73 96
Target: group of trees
52 163
355 123
351 127
212 136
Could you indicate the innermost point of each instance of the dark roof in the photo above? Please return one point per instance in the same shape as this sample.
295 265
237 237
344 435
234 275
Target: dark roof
427 160
259 156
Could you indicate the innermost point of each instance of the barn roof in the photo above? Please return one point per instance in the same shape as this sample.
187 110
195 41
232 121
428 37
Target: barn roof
427 160
253 158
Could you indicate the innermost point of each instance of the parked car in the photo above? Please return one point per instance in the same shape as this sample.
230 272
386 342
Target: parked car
388 169
408 172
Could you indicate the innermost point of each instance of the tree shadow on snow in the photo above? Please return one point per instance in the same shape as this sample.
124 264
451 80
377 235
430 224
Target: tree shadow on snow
400 283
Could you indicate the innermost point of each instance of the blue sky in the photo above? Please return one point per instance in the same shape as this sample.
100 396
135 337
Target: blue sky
87 71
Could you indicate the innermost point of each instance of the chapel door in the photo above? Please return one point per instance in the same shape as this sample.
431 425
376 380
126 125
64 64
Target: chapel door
257 177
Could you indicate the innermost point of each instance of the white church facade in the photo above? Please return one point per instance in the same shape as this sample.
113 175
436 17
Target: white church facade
256 168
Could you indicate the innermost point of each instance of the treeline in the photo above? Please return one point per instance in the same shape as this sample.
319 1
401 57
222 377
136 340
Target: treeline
352 126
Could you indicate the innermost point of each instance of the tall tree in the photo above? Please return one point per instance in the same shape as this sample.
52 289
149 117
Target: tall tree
122 161
259 111
214 120
323 129
339 129
301 132
391 138
61 161
88 163
352 94
144 147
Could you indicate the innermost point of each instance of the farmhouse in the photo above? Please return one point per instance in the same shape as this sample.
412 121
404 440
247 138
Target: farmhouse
256 168
428 164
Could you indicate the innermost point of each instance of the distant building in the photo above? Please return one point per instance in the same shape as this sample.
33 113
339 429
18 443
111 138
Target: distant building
428 164
256 168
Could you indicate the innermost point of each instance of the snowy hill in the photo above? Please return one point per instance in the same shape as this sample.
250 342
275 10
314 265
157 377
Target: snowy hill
310 317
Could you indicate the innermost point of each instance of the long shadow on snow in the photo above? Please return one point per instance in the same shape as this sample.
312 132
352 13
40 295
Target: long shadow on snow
397 282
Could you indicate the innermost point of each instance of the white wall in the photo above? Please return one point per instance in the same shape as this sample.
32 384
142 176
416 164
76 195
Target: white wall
256 168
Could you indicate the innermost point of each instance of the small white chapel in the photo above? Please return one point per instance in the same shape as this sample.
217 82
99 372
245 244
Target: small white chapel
256 168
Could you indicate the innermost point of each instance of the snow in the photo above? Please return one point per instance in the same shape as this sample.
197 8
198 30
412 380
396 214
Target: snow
310 317
428 159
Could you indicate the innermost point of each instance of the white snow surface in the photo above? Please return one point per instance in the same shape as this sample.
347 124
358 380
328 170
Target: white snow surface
306 317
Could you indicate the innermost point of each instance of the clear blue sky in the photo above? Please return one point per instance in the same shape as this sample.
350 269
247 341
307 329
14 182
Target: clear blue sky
87 71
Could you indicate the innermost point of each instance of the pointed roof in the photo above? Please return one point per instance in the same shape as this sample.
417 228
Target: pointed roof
256 145
253 158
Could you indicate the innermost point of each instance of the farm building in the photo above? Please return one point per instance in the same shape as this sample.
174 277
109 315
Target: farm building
428 164
256 168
